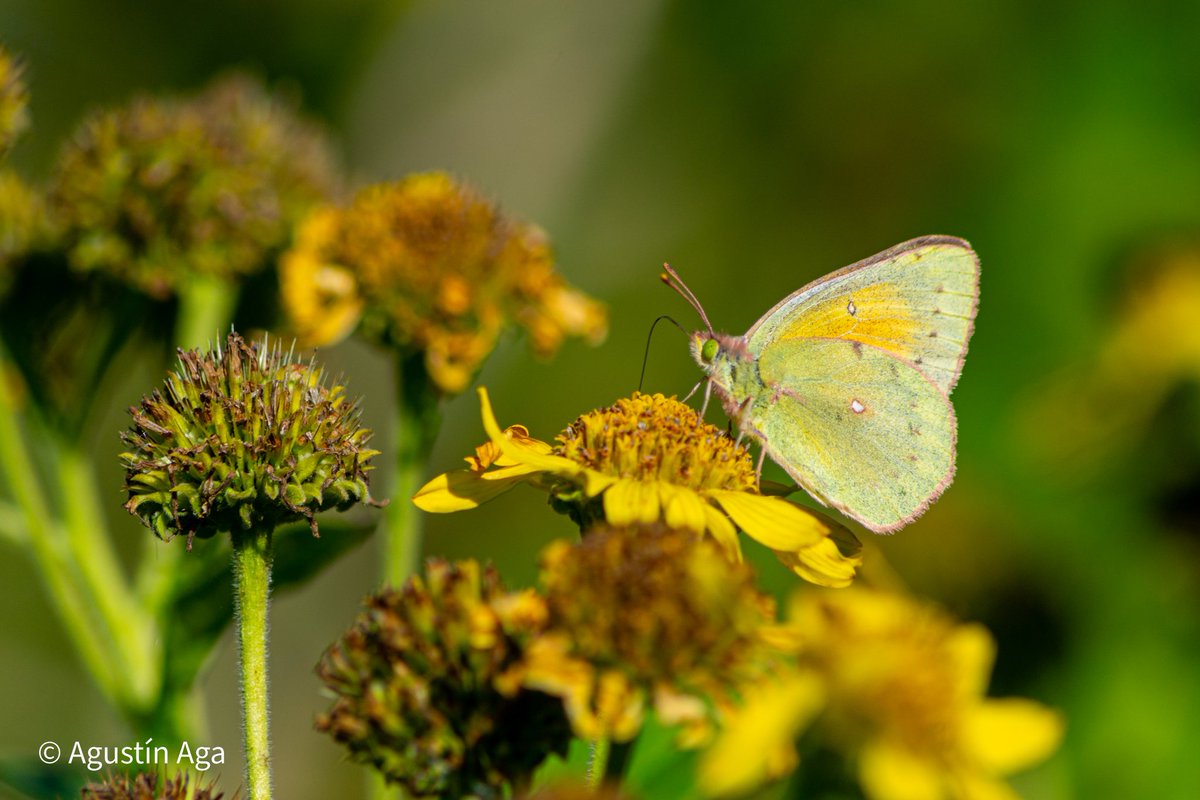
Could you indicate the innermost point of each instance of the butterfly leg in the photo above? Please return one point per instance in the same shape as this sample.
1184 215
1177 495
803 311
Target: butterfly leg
707 394
693 391
742 411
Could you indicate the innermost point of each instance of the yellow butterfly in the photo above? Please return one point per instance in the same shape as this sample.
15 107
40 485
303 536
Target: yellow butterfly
847 381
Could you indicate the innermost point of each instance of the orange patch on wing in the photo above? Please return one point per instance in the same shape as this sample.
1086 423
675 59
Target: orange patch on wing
878 315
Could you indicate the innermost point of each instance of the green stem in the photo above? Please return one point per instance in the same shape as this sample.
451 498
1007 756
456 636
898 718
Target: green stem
12 524
608 762
205 310
127 624
597 764
415 426
46 541
252 583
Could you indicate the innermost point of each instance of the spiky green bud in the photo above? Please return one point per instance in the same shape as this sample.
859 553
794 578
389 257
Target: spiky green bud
144 786
421 692
243 438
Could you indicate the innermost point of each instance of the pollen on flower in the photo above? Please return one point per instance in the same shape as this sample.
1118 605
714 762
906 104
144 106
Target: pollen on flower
418 689
243 438
652 437
435 269
166 188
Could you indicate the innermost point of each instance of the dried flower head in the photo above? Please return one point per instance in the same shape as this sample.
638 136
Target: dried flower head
646 615
643 459
243 438
903 689
144 786
21 221
164 189
429 266
416 685
14 100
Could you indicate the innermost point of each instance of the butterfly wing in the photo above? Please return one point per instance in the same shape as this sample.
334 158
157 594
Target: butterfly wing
862 430
916 301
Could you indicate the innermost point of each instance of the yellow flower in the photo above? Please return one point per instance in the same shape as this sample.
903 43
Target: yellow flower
648 458
429 266
902 687
646 616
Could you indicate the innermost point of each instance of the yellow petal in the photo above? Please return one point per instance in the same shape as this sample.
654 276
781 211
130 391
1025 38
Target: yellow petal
1010 734
529 451
830 562
684 509
620 706
773 521
549 669
974 652
464 489
631 501
975 786
756 744
889 772
722 530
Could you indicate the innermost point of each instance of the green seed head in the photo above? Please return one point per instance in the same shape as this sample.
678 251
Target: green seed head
243 438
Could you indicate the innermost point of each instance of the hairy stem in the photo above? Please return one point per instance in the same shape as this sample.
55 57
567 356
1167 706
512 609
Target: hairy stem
252 584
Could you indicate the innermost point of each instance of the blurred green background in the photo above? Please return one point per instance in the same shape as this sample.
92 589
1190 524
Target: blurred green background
755 147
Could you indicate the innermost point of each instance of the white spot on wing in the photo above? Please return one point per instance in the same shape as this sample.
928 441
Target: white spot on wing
851 308
857 407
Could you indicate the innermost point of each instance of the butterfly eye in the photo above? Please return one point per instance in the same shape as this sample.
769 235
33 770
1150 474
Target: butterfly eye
709 350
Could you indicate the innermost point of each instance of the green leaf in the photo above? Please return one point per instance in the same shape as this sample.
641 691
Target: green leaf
26 778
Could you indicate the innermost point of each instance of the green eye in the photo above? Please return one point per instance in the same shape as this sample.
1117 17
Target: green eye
709 350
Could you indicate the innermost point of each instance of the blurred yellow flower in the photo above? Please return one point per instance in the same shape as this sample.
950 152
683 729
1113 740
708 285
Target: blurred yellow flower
648 458
428 265
1075 420
646 616
902 689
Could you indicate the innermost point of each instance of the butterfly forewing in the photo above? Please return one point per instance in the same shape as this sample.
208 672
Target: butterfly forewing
862 430
916 301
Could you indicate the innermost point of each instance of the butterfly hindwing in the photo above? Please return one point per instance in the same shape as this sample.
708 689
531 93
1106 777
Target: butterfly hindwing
859 428
916 301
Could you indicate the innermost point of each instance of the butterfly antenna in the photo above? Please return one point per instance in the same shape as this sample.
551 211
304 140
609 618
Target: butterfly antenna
646 355
671 278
